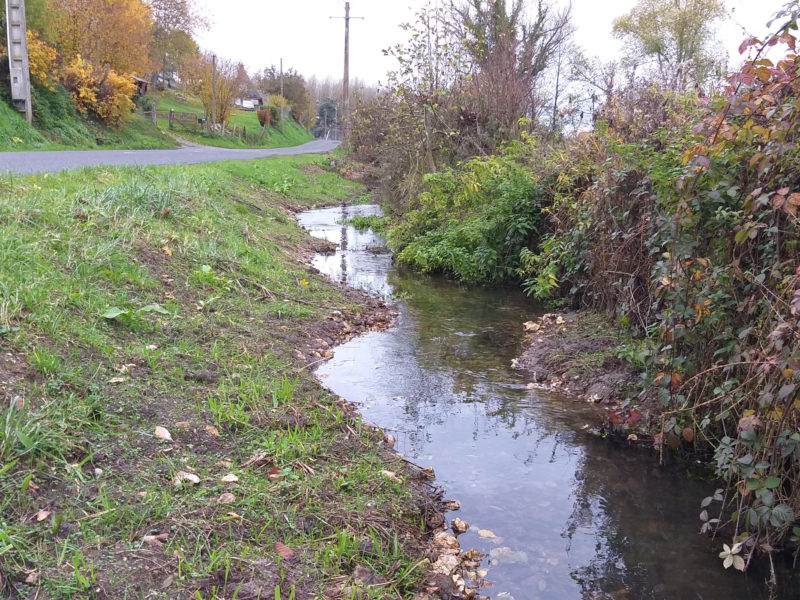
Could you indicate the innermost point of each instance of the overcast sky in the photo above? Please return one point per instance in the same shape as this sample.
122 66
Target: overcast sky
258 32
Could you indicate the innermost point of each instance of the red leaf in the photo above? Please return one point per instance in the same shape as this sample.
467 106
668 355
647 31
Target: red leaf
688 434
751 41
274 474
634 418
283 550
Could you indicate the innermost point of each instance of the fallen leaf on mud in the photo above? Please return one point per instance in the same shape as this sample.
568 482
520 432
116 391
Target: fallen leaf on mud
182 476
446 564
274 474
42 515
391 476
427 473
224 463
212 431
486 533
226 498
283 550
531 326
458 525
473 554
155 540
163 434
166 250
633 438
230 478
445 540
183 424
32 578
118 380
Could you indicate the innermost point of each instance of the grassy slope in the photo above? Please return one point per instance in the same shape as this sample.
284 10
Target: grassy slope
294 133
83 478
79 133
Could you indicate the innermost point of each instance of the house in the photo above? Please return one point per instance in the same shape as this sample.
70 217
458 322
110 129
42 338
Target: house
251 100
141 85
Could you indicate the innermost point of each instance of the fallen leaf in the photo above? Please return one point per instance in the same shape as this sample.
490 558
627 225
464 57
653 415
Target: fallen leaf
42 515
458 525
166 250
118 380
230 478
213 431
183 424
163 434
182 476
274 474
32 578
224 463
390 475
486 533
283 550
155 540
226 498
151 347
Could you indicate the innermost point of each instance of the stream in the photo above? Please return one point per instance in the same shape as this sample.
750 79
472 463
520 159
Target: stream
559 512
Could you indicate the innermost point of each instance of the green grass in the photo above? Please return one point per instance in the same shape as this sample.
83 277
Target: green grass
58 127
294 134
118 289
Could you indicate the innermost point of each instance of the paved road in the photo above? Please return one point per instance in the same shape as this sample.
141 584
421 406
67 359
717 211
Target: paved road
48 162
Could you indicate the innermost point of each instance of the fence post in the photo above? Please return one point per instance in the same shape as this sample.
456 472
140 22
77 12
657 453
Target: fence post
171 117
155 114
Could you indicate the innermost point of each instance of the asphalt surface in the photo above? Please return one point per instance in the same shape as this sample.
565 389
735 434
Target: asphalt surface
25 163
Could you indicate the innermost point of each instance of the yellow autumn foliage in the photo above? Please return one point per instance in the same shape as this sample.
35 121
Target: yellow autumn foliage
105 94
41 57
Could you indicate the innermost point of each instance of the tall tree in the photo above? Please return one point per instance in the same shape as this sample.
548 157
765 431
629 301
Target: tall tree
111 34
295 91
174 24
509 53
677 34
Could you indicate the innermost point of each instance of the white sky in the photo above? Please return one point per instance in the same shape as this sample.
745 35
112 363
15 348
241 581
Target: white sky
260 32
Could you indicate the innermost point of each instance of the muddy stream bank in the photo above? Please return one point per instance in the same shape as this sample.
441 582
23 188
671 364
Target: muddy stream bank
559 512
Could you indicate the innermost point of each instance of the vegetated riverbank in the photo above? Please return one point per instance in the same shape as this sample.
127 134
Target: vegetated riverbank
161 432
678 216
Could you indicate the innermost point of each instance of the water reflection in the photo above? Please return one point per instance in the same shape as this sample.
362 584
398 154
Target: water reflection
571 516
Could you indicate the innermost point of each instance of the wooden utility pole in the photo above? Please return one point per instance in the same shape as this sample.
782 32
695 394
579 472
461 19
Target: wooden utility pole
282 100
213 91
18 57
346 78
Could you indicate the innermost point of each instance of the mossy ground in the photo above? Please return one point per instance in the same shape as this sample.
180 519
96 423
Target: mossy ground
211 322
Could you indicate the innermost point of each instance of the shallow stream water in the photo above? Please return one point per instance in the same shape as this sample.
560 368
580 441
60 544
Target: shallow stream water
570 515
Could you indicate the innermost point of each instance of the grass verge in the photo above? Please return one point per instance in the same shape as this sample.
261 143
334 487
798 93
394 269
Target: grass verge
58 127
160 433
294 134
